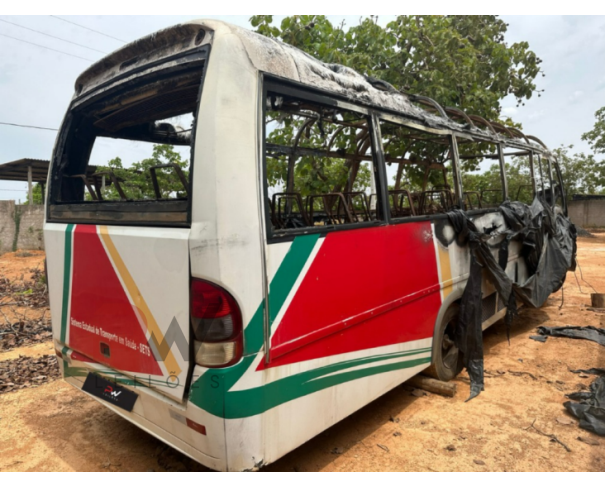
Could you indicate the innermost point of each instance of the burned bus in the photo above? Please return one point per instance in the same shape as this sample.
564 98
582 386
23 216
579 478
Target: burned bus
297 240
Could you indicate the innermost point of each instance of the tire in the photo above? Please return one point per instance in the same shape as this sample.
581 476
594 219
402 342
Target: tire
444 348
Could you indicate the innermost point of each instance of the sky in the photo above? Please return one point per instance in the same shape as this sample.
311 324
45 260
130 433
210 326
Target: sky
36 84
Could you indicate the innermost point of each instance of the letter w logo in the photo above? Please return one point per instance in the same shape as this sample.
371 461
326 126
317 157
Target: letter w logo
110 390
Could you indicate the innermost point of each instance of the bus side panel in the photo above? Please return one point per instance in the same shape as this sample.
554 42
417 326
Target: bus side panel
371 297
364 289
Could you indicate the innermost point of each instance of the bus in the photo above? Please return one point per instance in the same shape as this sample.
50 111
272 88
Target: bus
280 255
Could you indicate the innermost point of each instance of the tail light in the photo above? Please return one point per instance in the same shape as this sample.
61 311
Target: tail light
217 325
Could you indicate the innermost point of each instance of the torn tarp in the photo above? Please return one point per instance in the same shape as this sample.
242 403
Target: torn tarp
582 332
548 247
591 408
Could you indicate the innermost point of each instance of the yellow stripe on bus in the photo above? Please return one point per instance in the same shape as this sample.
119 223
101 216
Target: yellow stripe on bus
446 269
138 300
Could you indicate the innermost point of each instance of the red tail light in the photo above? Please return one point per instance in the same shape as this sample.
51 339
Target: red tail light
217 325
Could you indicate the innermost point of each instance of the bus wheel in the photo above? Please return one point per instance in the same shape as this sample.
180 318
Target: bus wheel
447 359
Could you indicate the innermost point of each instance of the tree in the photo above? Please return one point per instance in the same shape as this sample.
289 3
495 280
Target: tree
581 173
36 194
459 60
136 180
596 137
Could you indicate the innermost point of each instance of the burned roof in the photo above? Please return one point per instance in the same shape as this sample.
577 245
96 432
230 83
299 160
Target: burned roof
287 62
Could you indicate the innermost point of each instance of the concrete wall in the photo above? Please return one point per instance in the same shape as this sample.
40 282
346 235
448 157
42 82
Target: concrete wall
587 213
31 222
7 226
21 227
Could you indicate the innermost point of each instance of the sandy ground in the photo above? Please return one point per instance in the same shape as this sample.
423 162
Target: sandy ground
56 428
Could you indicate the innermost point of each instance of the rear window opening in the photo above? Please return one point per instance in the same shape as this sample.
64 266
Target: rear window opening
126 156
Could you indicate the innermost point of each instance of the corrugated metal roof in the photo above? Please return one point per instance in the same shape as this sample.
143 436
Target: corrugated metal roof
17 170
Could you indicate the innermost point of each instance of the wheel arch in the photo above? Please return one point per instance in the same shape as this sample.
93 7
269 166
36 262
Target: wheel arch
452 298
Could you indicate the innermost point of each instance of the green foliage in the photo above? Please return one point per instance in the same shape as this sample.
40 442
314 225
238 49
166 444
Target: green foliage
313 174
36 194
581 173
458 60
518 176
596 137
136 180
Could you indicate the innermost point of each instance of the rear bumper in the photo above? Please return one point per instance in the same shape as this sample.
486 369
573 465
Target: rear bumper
173 423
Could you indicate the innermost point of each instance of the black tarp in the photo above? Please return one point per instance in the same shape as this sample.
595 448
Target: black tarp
581 332
549 249
591 408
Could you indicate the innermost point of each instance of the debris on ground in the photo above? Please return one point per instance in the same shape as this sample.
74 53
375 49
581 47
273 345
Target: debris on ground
591 408
27 372
32 293
589 441
24 311
591 333
593 371
539 338
552 437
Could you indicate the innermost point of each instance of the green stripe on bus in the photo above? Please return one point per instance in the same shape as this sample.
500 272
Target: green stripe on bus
66 280
241 404
211 395
212 391
250 402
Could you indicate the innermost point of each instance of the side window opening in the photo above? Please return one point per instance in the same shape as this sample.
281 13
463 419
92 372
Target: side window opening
519 175
543 178
560 194
319 165
481 175
132 148
419 171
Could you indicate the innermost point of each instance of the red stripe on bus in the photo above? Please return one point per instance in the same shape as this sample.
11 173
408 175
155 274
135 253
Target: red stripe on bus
103 324
365 289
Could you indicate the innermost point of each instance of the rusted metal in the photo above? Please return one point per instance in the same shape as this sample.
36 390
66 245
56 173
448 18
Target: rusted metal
91 191
350 198
467 197
485 123
445 197
425 100
460 113
502 129
179 172
398 210
535 139
283 214
114 180
329 201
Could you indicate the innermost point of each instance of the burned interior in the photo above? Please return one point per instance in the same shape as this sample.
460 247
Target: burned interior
144 117
420 171
319 165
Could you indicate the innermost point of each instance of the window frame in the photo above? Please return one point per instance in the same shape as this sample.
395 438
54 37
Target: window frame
530 154
171 213
282 87
451 135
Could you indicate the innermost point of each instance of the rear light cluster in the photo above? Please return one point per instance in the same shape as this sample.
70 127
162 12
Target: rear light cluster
217 325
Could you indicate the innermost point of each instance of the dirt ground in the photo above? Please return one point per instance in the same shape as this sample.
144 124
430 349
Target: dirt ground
53 427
